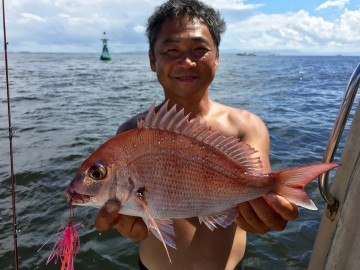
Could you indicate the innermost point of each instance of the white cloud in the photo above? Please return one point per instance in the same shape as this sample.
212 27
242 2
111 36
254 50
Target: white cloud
338 3
63 15
299 31
69 24
77 25
347 27
139 28
231 4
28 17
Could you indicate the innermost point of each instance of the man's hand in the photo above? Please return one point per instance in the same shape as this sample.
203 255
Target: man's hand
270 212
129 226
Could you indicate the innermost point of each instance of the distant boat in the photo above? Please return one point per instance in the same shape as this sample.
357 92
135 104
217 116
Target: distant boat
246 54
105 51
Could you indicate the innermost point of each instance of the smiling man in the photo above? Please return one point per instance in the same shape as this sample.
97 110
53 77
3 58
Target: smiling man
184 38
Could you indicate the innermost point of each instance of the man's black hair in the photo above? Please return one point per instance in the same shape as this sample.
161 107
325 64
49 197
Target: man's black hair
189 9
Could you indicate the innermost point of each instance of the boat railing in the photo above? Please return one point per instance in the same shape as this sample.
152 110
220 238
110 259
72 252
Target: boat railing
335 136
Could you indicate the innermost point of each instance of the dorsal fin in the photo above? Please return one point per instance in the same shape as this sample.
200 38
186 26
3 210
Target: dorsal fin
174 121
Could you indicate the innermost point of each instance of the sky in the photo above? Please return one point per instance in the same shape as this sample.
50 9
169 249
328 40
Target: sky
312 27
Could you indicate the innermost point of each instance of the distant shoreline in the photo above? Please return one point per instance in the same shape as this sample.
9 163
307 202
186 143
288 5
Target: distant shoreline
246 54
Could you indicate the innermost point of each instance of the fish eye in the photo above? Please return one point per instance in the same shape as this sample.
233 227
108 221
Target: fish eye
97 171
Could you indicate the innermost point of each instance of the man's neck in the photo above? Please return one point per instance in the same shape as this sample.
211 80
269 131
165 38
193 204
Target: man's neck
196 107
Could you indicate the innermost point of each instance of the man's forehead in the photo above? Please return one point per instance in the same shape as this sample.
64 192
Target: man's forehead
178 39
175 29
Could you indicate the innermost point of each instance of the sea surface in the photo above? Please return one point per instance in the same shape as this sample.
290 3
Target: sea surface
63 106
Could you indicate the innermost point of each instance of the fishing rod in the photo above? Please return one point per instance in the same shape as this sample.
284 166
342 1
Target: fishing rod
11 133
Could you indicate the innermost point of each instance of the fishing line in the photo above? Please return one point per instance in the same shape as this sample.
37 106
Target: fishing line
16 256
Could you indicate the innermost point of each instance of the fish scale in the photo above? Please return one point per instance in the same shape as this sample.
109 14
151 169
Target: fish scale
183 178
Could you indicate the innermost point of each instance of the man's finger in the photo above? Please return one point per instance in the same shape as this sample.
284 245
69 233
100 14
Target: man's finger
107 216
288 211
132 227
268 215
248 219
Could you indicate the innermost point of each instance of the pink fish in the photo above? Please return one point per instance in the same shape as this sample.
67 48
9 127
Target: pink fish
172 168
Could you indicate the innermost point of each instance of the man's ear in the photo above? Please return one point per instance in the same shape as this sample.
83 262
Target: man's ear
152 61
217 59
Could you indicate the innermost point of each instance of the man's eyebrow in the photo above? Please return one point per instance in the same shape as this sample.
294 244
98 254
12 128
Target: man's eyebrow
176 40
171 40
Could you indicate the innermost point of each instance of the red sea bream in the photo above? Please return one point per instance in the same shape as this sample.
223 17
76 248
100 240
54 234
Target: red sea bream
172 168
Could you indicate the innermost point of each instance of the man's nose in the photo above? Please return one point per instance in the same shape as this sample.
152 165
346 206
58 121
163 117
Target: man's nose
187 60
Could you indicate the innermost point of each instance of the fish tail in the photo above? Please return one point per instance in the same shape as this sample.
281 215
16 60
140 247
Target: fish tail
291 182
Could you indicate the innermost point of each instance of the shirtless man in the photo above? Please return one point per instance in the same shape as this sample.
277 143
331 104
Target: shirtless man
184 37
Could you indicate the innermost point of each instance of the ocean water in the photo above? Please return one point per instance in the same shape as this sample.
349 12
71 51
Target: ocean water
65 105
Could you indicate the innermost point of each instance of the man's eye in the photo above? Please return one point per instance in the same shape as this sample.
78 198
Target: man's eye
172 51
200 51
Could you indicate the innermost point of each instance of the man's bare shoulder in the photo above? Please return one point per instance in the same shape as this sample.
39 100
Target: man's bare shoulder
132 122
129 124
247 126
243 121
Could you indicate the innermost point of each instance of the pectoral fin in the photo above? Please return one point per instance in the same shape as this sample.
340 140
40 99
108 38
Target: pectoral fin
165 228
223 219
162 229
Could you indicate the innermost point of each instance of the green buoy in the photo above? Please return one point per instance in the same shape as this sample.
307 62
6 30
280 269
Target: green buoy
105 51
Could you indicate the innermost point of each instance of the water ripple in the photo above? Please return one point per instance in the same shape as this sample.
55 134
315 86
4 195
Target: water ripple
64 106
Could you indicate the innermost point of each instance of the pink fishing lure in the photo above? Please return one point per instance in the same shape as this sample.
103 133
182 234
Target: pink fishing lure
67 245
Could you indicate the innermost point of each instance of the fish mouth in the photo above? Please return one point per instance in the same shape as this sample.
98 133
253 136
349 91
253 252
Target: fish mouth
76 198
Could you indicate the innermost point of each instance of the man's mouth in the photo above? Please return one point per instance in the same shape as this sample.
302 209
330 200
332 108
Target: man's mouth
74 197
185 77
